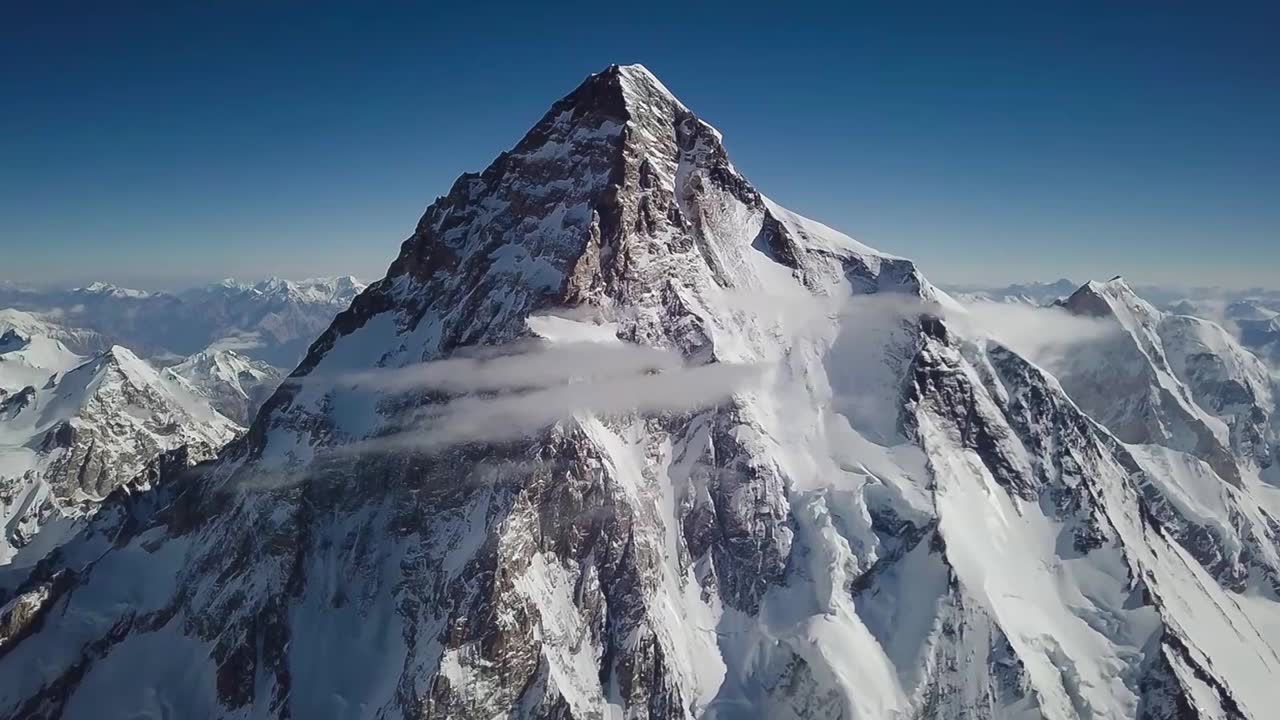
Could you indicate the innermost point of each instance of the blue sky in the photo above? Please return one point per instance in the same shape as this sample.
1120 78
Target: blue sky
159 144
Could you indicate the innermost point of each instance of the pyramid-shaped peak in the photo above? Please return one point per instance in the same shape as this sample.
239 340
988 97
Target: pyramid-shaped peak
1115 286
1101 299
637 78
632 70
125 361
120 353
620 93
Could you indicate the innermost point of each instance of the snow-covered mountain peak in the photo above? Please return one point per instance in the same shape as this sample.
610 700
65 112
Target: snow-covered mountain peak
1116 287
615 194
32 325
275 284
121 355
222 361
235 384
121 363
621 90
1113 297
26 324
1249 310
329 290
119 374
28 358
107 289
231 283
641 89
1034 294
636 74
1170 379
67 443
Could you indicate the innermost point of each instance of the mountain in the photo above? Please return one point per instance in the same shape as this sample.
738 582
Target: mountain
1249 315
27 359
1033 293
835 500
77 340
275 319
107 290
1263 337
1171 380
67 443
271 321
1249 310
331 291
235 385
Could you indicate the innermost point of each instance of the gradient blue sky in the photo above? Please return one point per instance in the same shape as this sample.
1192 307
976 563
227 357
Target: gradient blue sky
158 144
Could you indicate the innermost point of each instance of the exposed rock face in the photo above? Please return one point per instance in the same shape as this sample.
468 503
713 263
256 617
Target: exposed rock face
896 520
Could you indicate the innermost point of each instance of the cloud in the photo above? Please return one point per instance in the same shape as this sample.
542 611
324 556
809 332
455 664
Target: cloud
1044 335
527 364
502 393
512 391
239 342
495 394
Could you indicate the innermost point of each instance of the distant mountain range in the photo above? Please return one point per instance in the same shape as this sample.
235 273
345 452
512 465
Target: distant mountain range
272 321
1032 293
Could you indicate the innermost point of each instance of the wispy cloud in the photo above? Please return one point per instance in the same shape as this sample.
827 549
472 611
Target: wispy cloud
1044 335
526 364
515 390
503 393
240 342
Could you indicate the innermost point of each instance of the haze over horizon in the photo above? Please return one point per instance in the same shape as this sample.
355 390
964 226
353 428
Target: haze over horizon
262 140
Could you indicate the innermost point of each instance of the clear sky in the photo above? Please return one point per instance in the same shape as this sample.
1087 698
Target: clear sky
162 143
